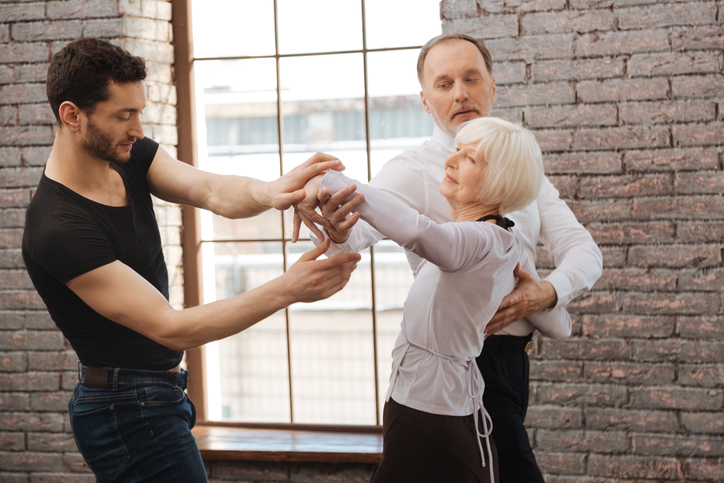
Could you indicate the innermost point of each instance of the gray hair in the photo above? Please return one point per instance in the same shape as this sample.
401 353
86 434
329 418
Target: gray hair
446 38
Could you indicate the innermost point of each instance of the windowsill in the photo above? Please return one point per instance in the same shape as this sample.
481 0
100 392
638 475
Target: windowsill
290 445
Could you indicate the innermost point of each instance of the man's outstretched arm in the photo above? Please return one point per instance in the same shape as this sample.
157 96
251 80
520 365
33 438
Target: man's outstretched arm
232 196
118 293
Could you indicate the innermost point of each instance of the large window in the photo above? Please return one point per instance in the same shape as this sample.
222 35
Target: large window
275 82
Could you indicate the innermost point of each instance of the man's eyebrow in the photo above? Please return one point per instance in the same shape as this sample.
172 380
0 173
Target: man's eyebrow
441 77
130 109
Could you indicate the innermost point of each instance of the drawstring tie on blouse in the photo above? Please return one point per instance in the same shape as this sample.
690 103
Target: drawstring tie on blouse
475 389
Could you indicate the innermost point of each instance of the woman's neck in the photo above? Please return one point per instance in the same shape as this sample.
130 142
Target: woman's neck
472 212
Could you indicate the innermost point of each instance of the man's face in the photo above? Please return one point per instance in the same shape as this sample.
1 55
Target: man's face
115 124
457 87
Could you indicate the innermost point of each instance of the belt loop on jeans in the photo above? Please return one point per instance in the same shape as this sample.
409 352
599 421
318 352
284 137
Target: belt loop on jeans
96 377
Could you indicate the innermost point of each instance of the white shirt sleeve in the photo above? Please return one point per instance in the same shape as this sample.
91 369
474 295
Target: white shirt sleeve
578 259
554 323
450 246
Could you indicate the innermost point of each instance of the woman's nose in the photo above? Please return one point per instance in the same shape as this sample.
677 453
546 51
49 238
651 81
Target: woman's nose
451 161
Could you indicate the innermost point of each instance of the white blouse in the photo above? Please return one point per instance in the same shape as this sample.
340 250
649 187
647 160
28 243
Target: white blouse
467 269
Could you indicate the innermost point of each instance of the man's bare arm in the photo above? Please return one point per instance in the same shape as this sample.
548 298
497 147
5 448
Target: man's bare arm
232 196
121 295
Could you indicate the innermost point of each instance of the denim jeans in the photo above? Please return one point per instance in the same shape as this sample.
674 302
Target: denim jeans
139 429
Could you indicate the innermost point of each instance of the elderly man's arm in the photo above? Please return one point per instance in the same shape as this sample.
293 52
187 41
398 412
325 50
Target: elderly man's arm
578 259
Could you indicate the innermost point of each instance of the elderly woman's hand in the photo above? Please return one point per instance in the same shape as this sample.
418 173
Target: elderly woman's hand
340 213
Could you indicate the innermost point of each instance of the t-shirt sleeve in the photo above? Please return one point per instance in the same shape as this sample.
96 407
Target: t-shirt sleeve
68 248
143 152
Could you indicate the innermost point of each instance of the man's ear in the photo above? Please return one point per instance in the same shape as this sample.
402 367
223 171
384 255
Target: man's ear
70 116
423 98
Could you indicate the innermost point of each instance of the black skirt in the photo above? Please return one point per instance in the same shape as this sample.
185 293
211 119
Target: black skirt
421 447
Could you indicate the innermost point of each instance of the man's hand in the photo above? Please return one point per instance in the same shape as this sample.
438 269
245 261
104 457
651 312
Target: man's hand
529 297
287 190
310 279
340 216
305 211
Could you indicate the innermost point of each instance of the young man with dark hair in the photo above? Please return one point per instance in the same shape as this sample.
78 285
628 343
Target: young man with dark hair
93 251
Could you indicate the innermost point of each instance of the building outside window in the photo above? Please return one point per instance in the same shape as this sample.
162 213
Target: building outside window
277 81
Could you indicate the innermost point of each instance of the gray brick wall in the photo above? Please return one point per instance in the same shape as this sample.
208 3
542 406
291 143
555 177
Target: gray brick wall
626 97
37 366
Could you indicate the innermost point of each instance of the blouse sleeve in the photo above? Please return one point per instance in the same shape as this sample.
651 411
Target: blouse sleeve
450 246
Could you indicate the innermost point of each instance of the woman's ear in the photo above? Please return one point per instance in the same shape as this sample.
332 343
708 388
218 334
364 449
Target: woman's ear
70 116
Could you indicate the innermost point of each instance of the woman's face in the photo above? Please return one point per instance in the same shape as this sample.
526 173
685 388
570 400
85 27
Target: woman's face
464 175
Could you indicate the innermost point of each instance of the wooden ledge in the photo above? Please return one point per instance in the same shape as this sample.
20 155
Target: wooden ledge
291 445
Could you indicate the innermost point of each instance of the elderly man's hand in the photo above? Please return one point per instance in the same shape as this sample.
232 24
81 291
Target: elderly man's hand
529 297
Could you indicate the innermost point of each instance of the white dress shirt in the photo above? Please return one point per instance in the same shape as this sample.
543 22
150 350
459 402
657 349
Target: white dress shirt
414 176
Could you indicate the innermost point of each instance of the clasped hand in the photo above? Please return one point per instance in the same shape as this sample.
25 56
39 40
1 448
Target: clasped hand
336 215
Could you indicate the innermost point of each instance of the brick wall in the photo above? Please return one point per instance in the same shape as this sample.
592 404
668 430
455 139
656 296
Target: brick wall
627 100
37 366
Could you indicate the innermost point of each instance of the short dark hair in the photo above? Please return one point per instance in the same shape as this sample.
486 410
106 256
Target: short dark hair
81 71
446 38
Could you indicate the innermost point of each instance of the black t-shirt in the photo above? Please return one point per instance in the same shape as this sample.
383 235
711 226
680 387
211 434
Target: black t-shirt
67 235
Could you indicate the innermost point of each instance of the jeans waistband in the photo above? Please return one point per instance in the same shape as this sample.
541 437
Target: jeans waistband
119 378
510 342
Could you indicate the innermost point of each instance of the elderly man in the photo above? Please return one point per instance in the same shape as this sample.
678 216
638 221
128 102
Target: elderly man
456 75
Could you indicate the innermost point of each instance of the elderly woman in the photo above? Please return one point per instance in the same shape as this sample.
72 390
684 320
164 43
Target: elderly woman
434 425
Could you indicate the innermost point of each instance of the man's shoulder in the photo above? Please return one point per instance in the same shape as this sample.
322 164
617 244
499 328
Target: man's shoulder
428 152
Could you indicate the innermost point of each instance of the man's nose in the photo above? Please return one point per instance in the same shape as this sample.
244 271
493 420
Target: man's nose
460 91
136 129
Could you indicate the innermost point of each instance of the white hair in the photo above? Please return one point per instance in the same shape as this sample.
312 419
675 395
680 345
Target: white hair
514 162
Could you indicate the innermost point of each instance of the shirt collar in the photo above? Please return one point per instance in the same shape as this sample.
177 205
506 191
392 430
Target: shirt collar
447 140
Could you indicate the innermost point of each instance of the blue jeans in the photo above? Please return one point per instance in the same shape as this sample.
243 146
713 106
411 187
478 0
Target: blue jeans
138 429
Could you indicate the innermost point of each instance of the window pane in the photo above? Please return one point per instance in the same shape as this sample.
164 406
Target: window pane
227 28
332 355
238 117
253 376
319 26
324 112
397 119
384 21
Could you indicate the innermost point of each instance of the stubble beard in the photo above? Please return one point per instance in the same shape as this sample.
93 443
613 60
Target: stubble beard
101 146
450 125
